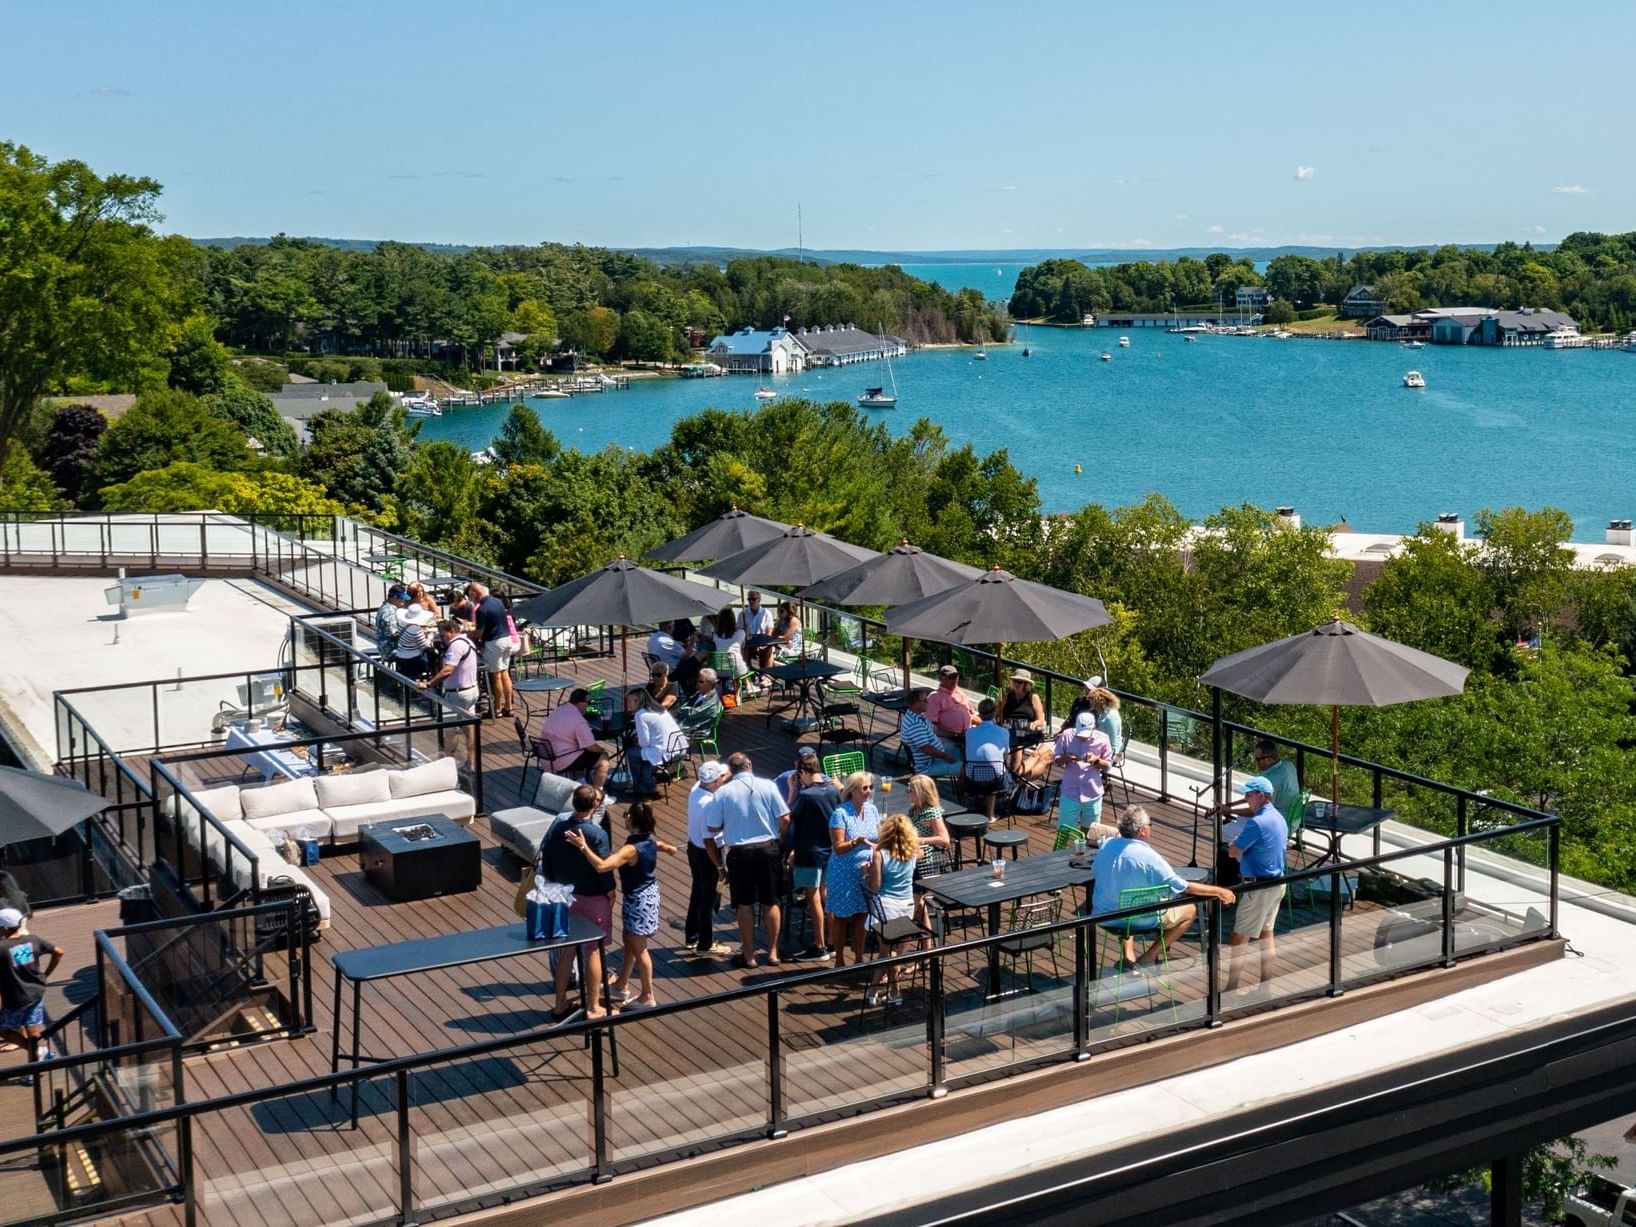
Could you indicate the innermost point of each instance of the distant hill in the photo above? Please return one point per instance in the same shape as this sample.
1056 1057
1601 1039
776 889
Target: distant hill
1022 255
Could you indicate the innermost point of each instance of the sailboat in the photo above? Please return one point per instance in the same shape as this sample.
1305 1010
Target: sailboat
879 397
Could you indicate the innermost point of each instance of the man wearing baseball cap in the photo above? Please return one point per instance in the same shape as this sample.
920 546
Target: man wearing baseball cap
1259 847
26 963
1084 753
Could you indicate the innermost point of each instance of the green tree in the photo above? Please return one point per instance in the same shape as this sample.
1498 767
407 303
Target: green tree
358 454
440 492
1526 564
164 426
199 363
644 337
24 486
85 286
523 439
257 417
186 486
593 331
1433 596
1279 311
262 375
70 447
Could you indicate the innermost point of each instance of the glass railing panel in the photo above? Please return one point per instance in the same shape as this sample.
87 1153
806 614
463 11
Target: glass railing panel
200 712
495 1124
1391 918
687 1079
124 718
842 1050
1293 963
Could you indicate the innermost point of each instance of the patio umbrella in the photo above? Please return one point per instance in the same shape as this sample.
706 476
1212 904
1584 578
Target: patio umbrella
620 594
903 574
728 533
997 608
37 806
1334 665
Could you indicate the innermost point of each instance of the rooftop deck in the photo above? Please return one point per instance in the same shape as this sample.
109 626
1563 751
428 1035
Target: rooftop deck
688 1080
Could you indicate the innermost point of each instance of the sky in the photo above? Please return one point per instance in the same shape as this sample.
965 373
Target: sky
896 125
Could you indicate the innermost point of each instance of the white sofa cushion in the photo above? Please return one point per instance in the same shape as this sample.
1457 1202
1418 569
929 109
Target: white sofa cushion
352 788
273 799
452 804
257 841
439 775
316 821
222 802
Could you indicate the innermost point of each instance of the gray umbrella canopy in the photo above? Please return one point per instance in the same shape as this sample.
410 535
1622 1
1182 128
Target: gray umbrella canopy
35 806
620 594
796 558
903 574
1335 665
997 607
727 534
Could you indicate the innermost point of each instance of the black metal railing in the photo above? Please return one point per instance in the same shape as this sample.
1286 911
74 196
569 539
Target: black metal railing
953 1037
156 714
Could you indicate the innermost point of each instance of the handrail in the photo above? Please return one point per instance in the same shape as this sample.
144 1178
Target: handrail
584 1027
106 948
179 793
455 563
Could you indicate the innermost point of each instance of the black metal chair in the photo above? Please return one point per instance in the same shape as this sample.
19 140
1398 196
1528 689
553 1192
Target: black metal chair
1025 919
531 754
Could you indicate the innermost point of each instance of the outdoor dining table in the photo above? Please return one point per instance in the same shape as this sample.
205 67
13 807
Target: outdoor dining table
808 676
1337 822
458 949
544 683
1033 875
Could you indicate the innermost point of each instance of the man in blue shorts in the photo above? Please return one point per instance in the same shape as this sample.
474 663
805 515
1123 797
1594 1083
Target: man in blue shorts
26 963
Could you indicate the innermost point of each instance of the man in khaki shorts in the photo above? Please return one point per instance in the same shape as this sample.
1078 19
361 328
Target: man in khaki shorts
1258 846
1130 860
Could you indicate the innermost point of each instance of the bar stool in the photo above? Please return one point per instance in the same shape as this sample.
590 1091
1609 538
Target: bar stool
966 826
999 841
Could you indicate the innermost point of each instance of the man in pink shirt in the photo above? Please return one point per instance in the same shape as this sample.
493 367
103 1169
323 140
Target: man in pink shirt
567 745
950 712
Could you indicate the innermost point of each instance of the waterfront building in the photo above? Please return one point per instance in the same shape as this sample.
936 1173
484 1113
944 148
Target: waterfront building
1361 303
752 352
844 344
1251 298
1473 326
1166 319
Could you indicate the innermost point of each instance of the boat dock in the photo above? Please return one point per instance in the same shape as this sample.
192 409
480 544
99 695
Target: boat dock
573 385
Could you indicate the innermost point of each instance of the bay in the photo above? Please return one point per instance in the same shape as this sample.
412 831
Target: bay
1324 426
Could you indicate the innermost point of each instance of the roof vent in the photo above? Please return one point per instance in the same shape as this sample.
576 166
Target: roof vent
1619 533
1451 523
1288 517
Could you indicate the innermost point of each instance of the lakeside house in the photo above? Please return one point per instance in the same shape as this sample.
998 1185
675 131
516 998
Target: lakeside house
1472 326
1165 319
1251 298
750 351
1361 303
844 344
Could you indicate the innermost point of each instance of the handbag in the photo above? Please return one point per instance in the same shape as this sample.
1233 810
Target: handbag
525 883
546 921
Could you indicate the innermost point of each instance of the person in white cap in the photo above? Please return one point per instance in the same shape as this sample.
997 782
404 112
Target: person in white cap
705 896
27 962
1083 753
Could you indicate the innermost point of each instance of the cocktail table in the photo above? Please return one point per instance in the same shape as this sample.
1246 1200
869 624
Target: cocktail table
404 865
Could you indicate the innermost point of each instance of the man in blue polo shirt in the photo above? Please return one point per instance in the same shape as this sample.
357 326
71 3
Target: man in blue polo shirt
1130 861
1259 847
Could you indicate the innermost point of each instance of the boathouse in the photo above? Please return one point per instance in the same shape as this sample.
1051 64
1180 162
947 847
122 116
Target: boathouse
844 344
749 351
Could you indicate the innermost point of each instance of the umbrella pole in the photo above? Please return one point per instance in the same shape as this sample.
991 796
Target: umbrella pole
625 656
999 651
905 643
1335 756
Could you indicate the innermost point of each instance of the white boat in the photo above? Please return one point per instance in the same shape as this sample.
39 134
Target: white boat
422 406
1124 342
1629 345
1106 356
1191 340
1414 379
766 394
879 397
980 356
553 394
1562 338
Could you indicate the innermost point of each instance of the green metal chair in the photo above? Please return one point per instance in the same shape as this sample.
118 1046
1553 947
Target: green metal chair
839 766
1131 927
993 692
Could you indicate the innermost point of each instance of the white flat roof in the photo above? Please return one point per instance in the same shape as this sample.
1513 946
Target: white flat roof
61 634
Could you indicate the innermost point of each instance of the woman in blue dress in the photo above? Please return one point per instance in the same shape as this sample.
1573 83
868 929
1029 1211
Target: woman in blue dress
853 828
637 863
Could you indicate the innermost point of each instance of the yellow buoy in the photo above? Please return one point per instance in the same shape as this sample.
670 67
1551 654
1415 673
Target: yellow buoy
1076 470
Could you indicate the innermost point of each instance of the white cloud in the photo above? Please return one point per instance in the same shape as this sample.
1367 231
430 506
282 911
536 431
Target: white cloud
1535 229
1305 172
1181 217
1215 230
1572 189
1010 187
1007 230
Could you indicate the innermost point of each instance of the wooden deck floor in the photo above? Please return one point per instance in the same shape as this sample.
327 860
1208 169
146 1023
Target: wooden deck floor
485 1125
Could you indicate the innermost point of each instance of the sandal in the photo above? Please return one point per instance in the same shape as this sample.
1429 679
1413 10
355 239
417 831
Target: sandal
743 963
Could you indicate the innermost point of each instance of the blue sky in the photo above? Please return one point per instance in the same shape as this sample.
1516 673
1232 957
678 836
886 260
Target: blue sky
909 126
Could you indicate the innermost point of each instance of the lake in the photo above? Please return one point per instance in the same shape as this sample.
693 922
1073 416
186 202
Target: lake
1325 426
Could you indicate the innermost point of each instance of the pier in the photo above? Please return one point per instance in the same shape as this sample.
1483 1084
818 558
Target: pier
573 385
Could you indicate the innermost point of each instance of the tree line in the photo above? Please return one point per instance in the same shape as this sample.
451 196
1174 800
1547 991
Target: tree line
1590 276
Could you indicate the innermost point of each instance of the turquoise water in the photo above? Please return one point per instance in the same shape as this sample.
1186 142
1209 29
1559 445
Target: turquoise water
1325 426
994 280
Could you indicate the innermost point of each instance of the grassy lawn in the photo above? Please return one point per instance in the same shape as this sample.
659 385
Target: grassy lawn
1325 323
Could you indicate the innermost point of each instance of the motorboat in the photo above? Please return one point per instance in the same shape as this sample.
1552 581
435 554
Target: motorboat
1106 356
1629 345
877 398
422 406
766 394
1191 340
1562 338
553 394
1124 342
980 356
1414 379
1414 344
1026 352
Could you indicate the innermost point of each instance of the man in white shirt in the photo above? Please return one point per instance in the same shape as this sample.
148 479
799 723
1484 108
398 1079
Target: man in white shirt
659 739
705 896
755 619
665 647
750 816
